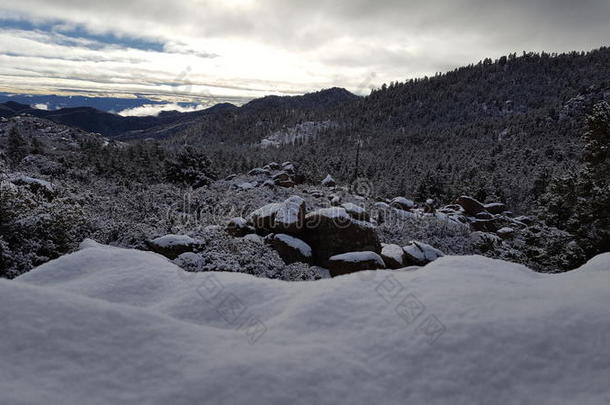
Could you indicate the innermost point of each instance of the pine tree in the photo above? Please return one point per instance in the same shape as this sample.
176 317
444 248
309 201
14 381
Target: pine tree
190 167
16 148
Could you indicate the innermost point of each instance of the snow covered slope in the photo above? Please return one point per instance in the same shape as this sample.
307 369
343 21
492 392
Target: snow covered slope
108 326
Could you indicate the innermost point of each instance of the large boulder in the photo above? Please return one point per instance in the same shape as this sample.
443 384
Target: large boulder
402 203
506 232
420 254
471 206
354 261
259 172
290 249
286 217
484 225
393 256
332 231
172 246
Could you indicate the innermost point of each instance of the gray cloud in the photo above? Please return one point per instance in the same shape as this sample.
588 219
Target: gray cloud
318 43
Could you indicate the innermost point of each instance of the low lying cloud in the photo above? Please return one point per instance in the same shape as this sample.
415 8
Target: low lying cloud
155 109
41 106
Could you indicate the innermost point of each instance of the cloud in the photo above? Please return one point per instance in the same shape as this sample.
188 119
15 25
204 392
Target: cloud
227 49
155 109
41 106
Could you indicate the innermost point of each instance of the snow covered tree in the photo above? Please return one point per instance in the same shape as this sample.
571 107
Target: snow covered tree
16 148
190 167
580 202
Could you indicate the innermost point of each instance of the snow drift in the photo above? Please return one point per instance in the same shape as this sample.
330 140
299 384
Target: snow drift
107 325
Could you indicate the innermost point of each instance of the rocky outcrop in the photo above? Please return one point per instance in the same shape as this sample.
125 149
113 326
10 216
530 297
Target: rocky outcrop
238 227
354 261
329 181
356 212
495 208
332 231
402 203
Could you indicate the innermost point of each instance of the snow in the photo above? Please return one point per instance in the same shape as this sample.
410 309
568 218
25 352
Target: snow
297 244
422 252
108 325
355 257
289 213
403 202
174 240
328 181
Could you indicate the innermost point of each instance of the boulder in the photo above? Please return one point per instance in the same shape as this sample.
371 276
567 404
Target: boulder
420 254
402 203
269 184
230 177
495 208
332 231
172 246
525 220
329 181
274 166
484 225
506 232
286 217
393 256
290 249
245 186
354 261
335 200
259 172
281 176
356 211
288 167
484 215
285 183
238 227
470 205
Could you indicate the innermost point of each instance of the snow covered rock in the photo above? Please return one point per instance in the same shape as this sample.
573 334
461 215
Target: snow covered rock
329 181
495 208
245 186
274 166
172 246
36 185
238 227
470 205
115 326
354 261
506 232
420 254
356 211
286 217
393 256
259 172
484 225
290 249
332 231
485 241
402 203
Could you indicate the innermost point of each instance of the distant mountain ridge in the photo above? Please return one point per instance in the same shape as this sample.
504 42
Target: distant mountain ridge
169 122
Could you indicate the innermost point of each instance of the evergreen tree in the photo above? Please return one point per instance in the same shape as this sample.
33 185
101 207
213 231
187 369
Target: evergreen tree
190 167
16 148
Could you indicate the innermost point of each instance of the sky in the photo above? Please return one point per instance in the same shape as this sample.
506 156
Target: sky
210 51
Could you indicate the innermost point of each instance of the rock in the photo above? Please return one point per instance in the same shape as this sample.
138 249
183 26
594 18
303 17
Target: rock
329 181
238 227
253 238
317 194
35 185
484 215
525 220
269 184
354 261
288 167
290 249
402 203
230 177
245 186
259 172
470 205
485 241
332 231
495 208
484 225
274 166
281 176
287 217
356 211
420 254
393 256
286 183
506 232
335 200
172 246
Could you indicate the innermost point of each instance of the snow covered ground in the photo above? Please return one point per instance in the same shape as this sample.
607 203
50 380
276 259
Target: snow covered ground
108 326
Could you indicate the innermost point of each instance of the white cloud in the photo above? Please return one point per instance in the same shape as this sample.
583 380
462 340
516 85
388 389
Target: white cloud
155 109
240 49
41 106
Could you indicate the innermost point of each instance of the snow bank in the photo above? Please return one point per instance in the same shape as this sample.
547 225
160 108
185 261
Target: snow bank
107 325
